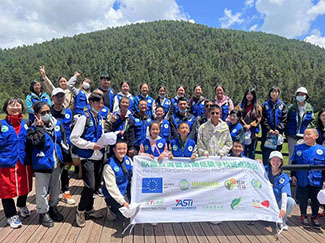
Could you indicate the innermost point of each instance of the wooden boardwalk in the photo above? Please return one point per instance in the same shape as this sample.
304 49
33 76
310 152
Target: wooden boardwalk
110 231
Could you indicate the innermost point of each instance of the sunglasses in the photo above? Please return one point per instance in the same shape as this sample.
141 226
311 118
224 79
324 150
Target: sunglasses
214 113
43 113
207 105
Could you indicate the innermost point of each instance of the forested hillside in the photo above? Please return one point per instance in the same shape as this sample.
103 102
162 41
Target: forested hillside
173 53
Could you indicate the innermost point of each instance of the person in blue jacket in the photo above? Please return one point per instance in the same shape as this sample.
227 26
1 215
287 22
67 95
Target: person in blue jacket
310 182
47 139
117 180
281 186
197 102
180 92
141 121
153 145
144 95
236 129
65 116
125 92
274 122
108 93
162 101
182 146
15 168
164 124
300 116
36 94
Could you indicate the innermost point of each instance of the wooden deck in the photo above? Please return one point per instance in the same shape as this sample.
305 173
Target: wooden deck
107 231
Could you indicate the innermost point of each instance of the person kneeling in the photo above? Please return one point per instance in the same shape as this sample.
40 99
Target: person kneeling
281 186
117 175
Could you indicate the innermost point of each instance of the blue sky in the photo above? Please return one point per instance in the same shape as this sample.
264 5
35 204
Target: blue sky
26 22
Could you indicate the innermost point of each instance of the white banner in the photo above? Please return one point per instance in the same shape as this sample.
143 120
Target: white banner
208 189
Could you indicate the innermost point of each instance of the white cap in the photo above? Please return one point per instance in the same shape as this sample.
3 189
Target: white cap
302 90
276 154
57 91
321 196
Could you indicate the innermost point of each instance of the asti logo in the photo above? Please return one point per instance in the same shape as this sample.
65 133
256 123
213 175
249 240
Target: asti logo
156 202
184 203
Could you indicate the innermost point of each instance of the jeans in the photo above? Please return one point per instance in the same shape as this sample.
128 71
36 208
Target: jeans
292 140
291 204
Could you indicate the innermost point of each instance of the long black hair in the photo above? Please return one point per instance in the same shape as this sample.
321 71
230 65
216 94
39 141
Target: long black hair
31 88
254 111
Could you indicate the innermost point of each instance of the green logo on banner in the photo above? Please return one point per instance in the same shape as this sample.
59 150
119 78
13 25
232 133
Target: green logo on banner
235 203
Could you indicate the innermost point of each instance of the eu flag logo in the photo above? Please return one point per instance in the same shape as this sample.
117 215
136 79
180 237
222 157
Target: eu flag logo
152 185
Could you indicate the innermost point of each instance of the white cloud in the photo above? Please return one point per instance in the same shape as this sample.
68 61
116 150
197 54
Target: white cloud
249 3
27 22
289 18
229 19
253 28
316 39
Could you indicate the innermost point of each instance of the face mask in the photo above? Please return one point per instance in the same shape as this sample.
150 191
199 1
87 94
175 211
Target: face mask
182 112
300 98
85 85
162 96
46 117
94 110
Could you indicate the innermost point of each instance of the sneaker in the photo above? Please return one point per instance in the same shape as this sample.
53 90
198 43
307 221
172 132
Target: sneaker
304 220
285 226
315 222
110 215
55 215
45 220
68 199
80 218
250 223
14 222
23 211
216 222
153 224
92 214
321 215
99 192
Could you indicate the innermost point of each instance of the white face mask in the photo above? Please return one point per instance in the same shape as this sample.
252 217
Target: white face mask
300 98
46 117
85 85
94 110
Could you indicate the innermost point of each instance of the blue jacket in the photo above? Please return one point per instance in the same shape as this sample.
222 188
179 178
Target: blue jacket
165 130
123 180
281 184
321 137
131 102
80 102
43 153
149 100
295 124
160 146
165 104
104 111
237 132
225 110
108 98
66 120
92 134
197 106
31 99
140 128
177 148
274 116
12 146
312 155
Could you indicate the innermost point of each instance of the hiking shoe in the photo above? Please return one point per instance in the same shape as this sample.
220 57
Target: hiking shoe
99 192
45 220
23 211
110 215
315 222
55 215
68 199
92 214
304 220
14 222
80 218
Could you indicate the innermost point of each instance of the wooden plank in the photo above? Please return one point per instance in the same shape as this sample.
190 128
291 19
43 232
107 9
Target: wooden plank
253 230
219 233
208 232
106 231
148 233
243 227
200 235
268 231
169 233
159 234
179 233
236 231
227 231
138 233
189 233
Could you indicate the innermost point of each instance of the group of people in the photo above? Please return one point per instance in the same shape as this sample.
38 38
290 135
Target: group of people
101 132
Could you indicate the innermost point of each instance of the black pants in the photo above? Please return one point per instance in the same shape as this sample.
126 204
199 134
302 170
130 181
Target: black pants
9 205
65 180
249 150
304 193
91 177
110 202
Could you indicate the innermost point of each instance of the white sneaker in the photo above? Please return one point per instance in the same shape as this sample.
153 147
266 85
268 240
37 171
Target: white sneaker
110 215
67 198
216 222
14 222
285 226
23 211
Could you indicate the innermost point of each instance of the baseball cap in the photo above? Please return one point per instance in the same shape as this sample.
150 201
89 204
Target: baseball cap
57 91
302 90
321 196
276 154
